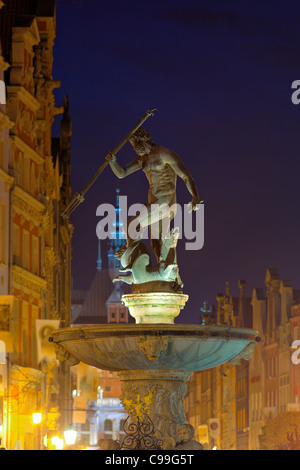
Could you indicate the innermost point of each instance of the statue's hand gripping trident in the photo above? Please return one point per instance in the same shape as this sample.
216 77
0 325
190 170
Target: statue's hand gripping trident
79 197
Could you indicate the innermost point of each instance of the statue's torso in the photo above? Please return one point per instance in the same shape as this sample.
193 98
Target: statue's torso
161 176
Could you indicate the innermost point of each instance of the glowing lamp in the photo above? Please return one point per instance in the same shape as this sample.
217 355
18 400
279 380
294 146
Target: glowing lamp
70 436
37 418
57 442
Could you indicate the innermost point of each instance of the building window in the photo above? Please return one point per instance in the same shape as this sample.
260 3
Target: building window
2 232
25 249
27 174
35 262
16 244
108 425
1 153
33 180
241 419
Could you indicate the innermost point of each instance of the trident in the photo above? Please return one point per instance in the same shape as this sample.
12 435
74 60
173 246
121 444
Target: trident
79 197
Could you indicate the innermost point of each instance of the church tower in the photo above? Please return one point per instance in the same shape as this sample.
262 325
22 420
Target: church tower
117 239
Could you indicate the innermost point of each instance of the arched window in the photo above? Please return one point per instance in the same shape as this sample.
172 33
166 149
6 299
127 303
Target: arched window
108 425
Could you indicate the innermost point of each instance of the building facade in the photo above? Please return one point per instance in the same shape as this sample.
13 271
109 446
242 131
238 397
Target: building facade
240 399
37 241
99 391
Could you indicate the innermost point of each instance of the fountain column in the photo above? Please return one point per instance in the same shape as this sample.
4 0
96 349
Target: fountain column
158 393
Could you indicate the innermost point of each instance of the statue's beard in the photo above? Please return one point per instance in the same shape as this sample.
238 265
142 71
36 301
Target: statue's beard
141 150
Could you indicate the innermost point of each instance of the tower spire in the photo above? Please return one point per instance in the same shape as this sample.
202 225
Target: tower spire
116 241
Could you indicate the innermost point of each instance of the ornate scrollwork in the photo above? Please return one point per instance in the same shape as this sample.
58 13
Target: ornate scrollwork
140 434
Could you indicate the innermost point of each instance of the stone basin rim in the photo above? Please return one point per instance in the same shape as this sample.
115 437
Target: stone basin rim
158 329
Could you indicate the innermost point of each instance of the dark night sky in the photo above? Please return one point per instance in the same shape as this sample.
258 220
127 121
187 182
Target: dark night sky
220 74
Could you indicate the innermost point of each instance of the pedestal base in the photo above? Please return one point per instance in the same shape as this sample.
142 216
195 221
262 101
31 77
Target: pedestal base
154 362
154 307
158 394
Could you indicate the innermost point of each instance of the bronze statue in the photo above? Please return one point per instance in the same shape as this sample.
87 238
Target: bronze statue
161 167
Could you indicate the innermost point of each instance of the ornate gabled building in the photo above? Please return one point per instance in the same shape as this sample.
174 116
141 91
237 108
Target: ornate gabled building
240 399
6 300
257 370
235 311
39 253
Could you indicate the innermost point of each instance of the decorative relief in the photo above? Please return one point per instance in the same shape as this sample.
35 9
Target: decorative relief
23 280
26 123
4 317
245 354
32 214
159 394
63 355
153 346
5 122
51 255
136 406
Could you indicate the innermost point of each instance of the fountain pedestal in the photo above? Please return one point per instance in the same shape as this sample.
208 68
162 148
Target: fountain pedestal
154 361
155 307
160 394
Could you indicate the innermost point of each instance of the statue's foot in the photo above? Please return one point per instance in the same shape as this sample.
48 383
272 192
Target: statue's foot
127 269
127 278
120 252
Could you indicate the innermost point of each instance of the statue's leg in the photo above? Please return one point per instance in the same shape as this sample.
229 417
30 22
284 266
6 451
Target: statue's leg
160 227
158 218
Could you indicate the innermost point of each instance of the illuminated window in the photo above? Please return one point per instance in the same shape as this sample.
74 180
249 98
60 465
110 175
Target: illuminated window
25 315
33 180
25 257
35 262
2 357
27 174
1 153
16 244
2 232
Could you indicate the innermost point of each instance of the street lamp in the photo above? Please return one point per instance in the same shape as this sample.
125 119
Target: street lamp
37 418
70 436
57 442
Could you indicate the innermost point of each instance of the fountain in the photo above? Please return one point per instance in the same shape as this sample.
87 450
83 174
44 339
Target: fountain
154 358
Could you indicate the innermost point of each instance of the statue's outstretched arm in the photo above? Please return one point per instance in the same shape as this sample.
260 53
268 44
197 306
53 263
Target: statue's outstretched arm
121 172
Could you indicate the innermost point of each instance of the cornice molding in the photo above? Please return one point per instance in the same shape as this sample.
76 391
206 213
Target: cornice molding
24 203
26 281
6 178
16 140
27 33
19 92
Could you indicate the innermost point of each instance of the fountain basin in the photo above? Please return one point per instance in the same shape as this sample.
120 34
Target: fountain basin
160 346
